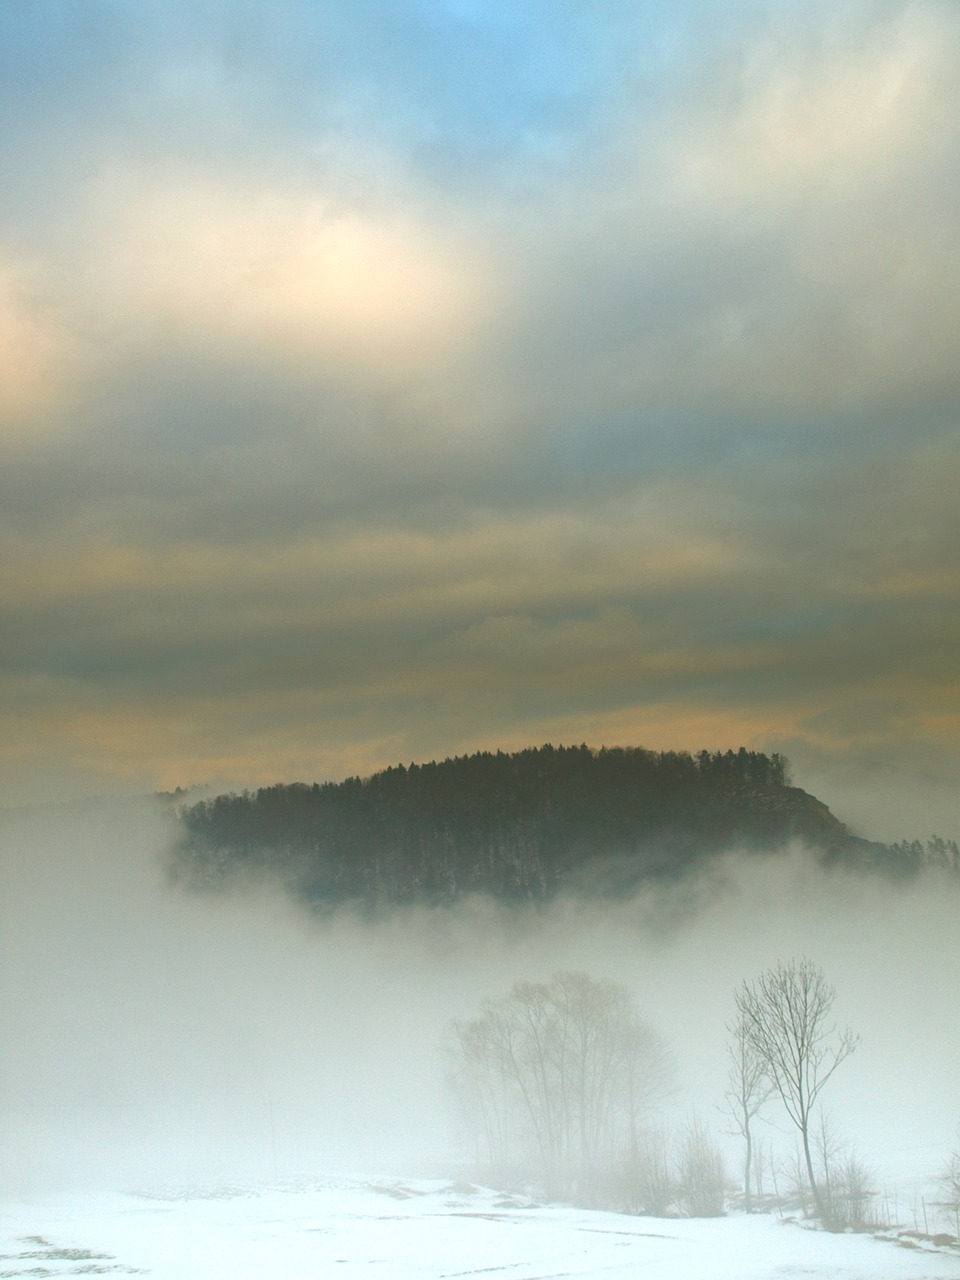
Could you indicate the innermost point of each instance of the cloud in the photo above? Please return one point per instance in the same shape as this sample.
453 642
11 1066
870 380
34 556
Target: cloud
39 362
202 660
386 382
774 251
313 654
828 106
286 275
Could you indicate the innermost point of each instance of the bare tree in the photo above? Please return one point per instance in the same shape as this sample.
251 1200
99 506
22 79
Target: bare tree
701 1179
855 1193
560 1074
828 1146
786 1016
748 1088
648 1184
481 1091
949 1181
847 1184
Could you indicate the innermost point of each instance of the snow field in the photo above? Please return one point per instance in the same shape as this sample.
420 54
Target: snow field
418 1230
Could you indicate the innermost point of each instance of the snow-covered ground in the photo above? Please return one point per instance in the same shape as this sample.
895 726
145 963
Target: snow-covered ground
418 1230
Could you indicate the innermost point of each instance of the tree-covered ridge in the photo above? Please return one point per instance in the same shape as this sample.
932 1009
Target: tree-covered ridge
514 825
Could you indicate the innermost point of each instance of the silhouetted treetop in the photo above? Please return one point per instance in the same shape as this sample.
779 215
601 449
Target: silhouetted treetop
523 824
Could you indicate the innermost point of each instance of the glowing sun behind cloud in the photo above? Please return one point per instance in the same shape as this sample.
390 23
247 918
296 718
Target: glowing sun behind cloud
288 270
37 358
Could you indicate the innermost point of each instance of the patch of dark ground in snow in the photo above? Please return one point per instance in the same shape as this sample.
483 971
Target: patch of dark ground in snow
469 1213
175 1194
938 1242
396 1190
43 1251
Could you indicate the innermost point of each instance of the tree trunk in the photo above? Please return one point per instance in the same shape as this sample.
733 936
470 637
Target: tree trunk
747 1170
817 1198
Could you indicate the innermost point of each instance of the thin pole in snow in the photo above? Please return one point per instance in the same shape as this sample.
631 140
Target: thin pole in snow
273 1137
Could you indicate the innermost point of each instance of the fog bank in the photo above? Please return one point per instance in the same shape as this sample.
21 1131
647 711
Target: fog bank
153 1038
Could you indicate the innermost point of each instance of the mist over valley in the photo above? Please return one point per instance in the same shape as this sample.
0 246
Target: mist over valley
155 1035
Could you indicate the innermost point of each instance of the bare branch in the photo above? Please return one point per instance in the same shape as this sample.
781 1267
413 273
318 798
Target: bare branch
784 1017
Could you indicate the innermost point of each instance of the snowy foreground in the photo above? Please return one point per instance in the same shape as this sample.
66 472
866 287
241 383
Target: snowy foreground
418 1230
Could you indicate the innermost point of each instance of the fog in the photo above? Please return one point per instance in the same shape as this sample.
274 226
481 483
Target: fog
152 1038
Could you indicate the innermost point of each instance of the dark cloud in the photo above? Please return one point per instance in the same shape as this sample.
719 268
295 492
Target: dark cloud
414 376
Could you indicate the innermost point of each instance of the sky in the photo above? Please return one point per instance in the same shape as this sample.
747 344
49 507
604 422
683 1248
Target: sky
388 379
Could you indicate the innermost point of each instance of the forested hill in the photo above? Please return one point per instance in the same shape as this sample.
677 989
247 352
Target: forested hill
522 825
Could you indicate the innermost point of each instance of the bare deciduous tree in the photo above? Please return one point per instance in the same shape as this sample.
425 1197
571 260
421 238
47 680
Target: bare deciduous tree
949 1181
648 1183
562 1073
700 1172
855 1194
786 1016
748 1088
846 1182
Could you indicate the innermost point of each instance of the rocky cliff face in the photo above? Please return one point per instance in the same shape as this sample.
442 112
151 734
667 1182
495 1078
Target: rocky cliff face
793 813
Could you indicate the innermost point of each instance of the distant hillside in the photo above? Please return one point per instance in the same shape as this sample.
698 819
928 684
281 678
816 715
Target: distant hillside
517 826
